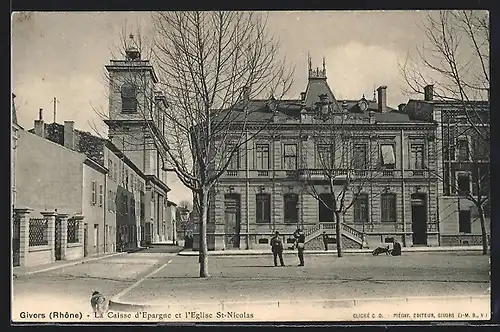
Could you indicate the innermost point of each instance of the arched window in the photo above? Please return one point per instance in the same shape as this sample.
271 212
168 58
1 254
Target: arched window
129 97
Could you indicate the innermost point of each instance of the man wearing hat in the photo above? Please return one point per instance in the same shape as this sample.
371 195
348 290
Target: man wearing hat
301 239
277 249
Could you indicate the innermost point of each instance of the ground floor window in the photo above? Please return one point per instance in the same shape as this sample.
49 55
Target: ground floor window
388 207
464 223
361 208
263 209
291 208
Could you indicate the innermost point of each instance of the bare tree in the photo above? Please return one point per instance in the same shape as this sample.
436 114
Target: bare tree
210 64
342 157
455 59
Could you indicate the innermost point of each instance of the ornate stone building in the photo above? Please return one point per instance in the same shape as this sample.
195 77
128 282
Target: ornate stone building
278 182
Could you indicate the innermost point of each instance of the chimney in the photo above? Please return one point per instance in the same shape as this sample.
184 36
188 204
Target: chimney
302 96
246 93
401 107
382 98
39 125
429 92
69 134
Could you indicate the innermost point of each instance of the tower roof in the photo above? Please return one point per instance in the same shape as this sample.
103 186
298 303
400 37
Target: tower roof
316 86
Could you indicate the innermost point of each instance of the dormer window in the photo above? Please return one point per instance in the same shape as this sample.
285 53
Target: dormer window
129 98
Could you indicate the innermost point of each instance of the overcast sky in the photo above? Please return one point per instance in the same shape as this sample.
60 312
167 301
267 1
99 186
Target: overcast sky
63 55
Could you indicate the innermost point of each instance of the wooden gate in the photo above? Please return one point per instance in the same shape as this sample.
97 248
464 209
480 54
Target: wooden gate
57 240
16 240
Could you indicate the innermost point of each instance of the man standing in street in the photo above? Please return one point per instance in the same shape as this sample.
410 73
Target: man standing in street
325 240
277 249
301 239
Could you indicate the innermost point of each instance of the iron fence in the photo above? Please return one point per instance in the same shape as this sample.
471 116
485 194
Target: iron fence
38 232
73 226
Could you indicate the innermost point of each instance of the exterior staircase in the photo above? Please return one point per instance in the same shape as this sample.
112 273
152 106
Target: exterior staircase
330 228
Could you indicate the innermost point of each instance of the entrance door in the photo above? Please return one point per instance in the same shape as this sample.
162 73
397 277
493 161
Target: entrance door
419 218
16 240
85 240
232 220
57 240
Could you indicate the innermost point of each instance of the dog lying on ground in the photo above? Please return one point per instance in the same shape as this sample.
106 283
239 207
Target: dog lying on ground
381 250
99 304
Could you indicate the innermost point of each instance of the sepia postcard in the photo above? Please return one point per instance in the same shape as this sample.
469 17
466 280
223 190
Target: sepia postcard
283 166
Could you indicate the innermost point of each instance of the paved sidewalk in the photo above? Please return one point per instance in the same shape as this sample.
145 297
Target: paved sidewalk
27 270
189 252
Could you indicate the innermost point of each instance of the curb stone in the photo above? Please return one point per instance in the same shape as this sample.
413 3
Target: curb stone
319 252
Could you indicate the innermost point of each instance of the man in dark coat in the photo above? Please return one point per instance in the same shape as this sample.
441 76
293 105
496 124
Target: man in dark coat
325 240
277 249
396 250
301 239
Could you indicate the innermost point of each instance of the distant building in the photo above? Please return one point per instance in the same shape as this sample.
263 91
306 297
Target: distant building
134 116
464 165
263 188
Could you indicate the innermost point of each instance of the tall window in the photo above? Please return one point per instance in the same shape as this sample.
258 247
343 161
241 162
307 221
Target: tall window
325 157
417 156
94 193
464 224
263 209
110 169
463 149
361 208
101 195
262 156
291 208
359 156
463 183
387 156
129 97
388 208
115 172
290 156
126 178
234 163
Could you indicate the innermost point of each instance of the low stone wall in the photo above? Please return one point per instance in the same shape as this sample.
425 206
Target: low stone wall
39 255
462 240
74 251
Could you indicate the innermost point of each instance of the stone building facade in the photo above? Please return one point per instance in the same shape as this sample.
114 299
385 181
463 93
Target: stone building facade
135 123
463 136
276 181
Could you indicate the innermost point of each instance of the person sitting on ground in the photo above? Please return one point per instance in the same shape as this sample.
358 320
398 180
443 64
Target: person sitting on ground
396 250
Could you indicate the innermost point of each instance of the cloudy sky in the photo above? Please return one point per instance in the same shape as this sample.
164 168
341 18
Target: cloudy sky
63 55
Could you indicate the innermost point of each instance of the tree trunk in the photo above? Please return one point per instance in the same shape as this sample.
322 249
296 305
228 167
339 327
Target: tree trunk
203 251
484 235
338 233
